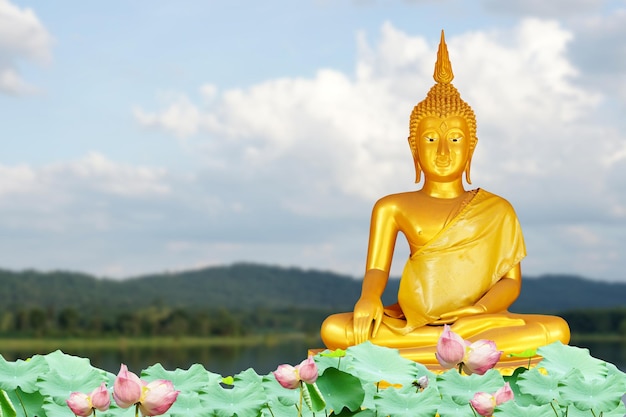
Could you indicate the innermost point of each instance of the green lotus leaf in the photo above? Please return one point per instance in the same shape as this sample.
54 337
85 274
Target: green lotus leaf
194 379
6 406
275 408
450 408
188 404
597 394
70 366
528 353
520 397
58 387
246 401
21 373
620 411
358 413
405 401
463 387
560 359
512 409
337 353
341 389
27 403
342 362
248 377
57 410
279 396
374 363
543 388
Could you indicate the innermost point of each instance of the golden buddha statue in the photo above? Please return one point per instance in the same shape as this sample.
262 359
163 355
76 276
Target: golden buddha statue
465 248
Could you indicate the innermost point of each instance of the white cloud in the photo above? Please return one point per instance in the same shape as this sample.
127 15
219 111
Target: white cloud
61 183
22 37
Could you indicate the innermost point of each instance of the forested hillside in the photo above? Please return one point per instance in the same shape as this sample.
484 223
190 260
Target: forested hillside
246 298
252 286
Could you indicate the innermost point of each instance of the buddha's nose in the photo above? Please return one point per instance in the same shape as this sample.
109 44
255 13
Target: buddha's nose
442 148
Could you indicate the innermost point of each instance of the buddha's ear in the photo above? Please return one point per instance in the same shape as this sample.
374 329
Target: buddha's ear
416 161
418 172
468 167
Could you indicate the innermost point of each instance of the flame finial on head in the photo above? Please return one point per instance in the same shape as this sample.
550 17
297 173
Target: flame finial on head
443 68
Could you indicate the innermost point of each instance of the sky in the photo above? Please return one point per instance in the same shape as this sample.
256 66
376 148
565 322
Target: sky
146 136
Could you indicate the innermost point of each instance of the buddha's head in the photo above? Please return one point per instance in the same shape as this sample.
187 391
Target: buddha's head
443 115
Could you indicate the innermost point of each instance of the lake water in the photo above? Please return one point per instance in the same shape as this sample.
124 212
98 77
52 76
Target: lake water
230 360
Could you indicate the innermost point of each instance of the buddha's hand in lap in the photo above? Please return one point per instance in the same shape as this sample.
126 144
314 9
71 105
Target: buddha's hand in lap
454 315
367 311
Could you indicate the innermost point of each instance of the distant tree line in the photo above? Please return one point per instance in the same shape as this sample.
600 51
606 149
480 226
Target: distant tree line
166 321
156 321
597 321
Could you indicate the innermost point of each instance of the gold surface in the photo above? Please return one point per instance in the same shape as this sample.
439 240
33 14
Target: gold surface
466 247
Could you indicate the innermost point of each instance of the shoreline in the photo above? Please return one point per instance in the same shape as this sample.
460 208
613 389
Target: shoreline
108 342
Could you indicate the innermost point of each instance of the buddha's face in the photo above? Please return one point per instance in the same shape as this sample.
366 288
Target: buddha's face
443 147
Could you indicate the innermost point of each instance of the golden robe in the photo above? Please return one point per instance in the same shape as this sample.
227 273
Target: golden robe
460 264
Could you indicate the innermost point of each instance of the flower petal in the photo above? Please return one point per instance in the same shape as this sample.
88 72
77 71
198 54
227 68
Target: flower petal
450 348
80 404
483 403
481 356
504 394
127 388
287 376
158 396
307 370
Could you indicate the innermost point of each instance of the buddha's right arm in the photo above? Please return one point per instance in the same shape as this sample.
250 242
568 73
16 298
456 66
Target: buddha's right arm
368 311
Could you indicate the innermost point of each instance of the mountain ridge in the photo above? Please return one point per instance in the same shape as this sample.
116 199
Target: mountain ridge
248 286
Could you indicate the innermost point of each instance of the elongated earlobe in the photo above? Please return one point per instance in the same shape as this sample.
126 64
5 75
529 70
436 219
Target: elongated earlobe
418 168
467 171
418 172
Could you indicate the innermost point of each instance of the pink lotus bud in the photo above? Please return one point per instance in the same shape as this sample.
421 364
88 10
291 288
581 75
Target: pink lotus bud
100 398
80 404
83 404
307 370
504 394
483 403
158 396
287 376
481 356
127 388
450 348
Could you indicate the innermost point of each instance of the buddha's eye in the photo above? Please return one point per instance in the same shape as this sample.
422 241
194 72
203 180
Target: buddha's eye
456 139
429 139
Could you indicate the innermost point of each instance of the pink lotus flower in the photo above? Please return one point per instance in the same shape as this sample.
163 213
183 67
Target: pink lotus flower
289 376
450 348
480 357
474 358
307 370
83 404
158 396
153 398
485 403
127 388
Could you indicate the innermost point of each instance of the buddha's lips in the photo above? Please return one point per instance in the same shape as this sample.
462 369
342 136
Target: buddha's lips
442 162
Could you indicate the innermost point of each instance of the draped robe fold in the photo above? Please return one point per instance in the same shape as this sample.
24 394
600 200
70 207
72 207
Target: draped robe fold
460 264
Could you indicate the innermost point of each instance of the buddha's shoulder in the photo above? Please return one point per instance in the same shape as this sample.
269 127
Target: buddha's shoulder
486 197
397 200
